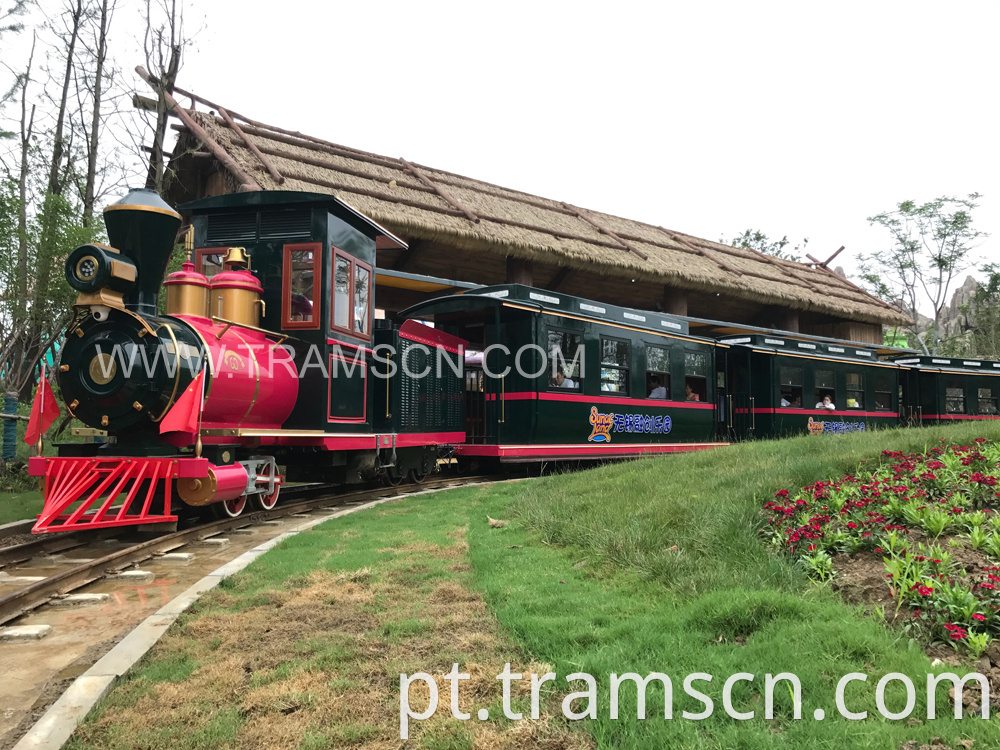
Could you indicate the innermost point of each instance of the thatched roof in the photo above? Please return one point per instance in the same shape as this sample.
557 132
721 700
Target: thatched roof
424 203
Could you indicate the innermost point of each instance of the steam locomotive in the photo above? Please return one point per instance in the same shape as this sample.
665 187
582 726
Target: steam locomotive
269 332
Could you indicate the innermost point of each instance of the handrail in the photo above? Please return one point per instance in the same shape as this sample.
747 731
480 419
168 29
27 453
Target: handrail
282 337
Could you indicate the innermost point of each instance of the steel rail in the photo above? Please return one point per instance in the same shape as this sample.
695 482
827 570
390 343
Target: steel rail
36 594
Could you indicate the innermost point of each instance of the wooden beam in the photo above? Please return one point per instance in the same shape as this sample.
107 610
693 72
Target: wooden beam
701 251
519 271
604 230
408 257
248 183
675 301
252 146
448 197
558 279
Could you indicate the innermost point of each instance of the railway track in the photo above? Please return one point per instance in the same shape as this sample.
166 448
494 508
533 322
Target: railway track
75 576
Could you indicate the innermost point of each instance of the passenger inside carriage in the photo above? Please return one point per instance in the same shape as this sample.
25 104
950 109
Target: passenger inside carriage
690 394
656 389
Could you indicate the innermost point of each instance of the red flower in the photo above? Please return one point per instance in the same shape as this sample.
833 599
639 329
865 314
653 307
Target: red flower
781 493
925 591
981 618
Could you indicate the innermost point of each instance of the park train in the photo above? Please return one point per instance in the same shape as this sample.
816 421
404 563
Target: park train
293 379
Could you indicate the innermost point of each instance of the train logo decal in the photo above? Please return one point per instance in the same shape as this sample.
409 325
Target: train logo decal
235 362
604 424
818 428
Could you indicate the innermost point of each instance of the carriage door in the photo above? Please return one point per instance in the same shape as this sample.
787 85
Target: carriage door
741 393
495 379
475 404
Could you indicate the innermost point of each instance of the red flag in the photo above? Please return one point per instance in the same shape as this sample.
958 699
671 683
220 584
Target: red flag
183 417
44 411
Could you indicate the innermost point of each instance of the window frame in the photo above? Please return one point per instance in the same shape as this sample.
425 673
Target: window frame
663 374
875 386
792 386
692 379
286 285
577 379
816 387
858 392
993 399
627 368
199 259
959 385
352 276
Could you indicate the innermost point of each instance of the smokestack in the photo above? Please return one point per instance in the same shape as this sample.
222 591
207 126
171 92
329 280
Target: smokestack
143 227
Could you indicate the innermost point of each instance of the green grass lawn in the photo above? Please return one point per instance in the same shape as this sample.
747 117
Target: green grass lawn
16 506
648 566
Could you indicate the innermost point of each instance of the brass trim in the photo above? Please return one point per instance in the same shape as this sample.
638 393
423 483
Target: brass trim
151 209
256 390
103 368
79 333
207 364
111 299
63 368
253 432
122 270
282 337
137 406
85 258
76 403
860 362
177 375
104 420
198 491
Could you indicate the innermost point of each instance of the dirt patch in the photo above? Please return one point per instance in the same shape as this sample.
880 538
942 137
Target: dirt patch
320 661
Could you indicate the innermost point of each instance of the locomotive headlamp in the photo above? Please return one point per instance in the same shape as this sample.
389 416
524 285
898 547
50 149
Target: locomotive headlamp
93 267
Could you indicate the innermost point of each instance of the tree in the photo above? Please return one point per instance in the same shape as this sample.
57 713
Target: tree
164 42
754 239
931 244
983 314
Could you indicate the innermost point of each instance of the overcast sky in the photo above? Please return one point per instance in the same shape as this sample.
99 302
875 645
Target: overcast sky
795 118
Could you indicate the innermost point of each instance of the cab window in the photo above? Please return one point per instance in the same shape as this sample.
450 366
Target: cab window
208 260
350 306
300 283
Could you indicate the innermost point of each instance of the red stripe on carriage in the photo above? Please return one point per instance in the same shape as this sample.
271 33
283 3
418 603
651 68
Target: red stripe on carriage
611 400
835 412
413 330
577 451
961 416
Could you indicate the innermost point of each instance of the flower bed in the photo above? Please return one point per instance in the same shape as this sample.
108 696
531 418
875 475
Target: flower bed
932 518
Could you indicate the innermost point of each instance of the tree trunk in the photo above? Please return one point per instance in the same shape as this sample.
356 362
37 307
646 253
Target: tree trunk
95 119
58 147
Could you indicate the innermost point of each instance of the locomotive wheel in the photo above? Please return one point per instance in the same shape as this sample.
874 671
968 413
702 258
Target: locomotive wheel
264 501
392 477
231 508
416 476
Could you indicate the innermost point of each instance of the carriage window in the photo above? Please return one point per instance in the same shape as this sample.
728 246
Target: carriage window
954 397
988 400
883 390
361 296
855 391
791 386
657 372
350 308
825 387
695 376
300 286
208 261
565 352
614 365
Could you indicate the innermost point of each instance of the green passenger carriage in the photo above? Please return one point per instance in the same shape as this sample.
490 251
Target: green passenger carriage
551 376
785 385
941 389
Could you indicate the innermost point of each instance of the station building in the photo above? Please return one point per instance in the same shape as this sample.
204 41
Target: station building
463 229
